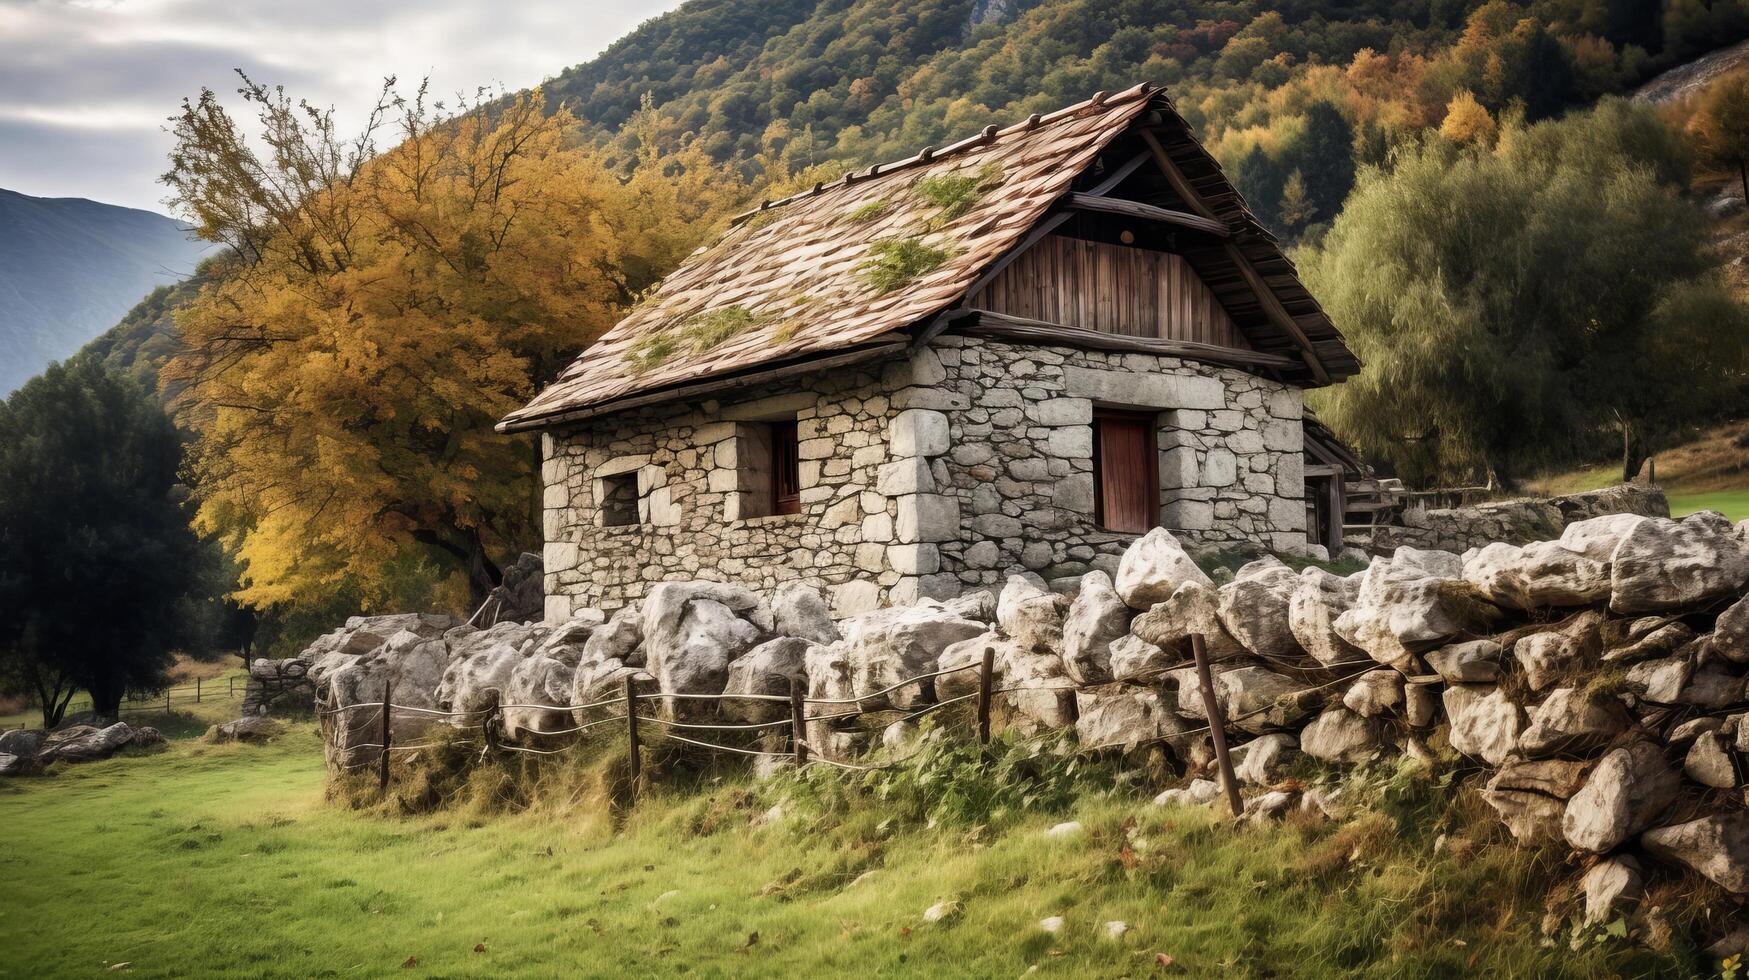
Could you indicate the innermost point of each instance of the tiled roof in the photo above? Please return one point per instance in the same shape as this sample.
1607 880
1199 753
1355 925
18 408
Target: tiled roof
790 281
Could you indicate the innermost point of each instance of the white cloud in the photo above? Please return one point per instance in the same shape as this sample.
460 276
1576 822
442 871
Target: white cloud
86 85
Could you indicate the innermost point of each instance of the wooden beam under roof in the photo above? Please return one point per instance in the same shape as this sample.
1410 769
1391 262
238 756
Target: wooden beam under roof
1266 297
1007 327
1145 212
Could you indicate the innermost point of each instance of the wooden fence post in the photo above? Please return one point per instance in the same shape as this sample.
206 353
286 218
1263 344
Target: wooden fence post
383 761
985 669
637 762
166 701
197 690
797 722
1217 729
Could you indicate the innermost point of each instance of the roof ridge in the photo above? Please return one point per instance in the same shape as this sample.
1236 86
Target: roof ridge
930 154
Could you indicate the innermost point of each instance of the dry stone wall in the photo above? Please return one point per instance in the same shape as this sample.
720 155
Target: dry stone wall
1518 521
919 477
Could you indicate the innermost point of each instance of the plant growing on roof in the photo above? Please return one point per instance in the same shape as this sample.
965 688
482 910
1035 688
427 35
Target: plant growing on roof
895 262
703 331
953 194
871 210
650 350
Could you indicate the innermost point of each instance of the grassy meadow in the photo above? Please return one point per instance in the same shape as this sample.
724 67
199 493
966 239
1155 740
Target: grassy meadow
1707 472
205 861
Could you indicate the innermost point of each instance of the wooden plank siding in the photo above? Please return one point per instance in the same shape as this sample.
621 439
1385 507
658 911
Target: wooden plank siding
1113 289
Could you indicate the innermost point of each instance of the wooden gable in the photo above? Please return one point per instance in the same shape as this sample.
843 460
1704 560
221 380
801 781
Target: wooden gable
1115 289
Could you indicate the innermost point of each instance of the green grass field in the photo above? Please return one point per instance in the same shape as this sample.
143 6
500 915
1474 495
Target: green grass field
226 861
1710 471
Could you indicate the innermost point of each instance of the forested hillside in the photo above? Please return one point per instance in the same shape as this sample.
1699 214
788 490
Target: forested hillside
69 267
856 81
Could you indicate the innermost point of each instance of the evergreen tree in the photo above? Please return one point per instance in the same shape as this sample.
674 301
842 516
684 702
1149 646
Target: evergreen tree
1324 158
96 556
1261 181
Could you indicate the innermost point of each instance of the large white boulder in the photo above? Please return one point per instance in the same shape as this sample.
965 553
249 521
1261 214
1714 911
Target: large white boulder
1136 660
1730 636
1530 797
1256 699
1484 723
1340 735
1375 693
1031 615
1412 602
1469 662
1097 618
1254 609
887 646
1571 721
621 638
1626 793
1153 568
1119 716
689 641
799 609
1543 573
1318 599
537 700
1194 610
1661 564
1716 846
764 672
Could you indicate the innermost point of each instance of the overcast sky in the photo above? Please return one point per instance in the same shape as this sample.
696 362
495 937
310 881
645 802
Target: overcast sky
86 85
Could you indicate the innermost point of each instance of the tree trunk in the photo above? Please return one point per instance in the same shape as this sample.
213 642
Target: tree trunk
105 703
1633 452
1743 173
53 695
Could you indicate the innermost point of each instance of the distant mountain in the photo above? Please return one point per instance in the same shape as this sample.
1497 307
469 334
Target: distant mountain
70 268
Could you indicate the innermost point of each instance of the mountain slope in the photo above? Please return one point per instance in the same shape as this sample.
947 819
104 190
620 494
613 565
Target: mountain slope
70 268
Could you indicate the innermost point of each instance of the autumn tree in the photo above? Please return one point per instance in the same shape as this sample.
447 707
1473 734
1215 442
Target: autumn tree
381 310
1724 125
1467 121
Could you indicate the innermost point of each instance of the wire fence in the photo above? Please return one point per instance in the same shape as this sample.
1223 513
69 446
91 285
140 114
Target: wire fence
641 726
199 692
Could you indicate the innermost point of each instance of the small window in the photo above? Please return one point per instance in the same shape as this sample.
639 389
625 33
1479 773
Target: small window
1126 472
619 499
786 465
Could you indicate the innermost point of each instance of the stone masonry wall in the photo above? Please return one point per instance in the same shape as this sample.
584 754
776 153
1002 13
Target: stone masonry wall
920 476
1018 463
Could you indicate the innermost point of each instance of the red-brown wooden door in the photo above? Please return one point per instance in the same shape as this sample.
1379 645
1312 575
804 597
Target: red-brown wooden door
1125 472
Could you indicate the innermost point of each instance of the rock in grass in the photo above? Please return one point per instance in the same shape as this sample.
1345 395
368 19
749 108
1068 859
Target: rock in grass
1611 888
1716 846
1051 924
1626 793
1261 761
1066 829
941 911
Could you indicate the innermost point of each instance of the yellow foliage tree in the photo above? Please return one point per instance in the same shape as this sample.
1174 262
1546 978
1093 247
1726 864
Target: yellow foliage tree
1467 121
381 312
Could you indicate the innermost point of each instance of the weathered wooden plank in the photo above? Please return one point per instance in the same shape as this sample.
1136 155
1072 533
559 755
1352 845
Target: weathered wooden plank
987 323
1146 212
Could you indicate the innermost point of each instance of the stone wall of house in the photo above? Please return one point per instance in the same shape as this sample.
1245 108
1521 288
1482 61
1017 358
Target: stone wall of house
920 476
1018 459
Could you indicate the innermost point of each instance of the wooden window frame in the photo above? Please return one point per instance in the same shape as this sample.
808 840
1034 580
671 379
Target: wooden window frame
786 464
1151 423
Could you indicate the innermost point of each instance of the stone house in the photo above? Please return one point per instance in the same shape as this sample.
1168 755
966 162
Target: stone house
1017 351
